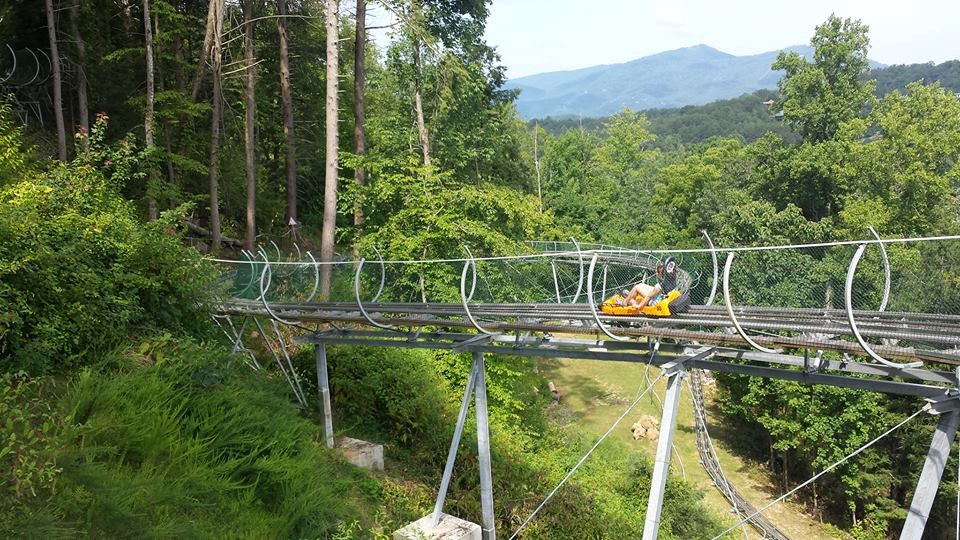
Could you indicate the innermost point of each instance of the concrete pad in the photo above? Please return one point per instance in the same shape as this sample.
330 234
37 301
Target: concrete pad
361 453
449 528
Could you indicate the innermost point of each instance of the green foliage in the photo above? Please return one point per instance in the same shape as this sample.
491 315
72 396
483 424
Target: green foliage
196 445
912 166
744 117
392 394
892 78
78 273
17 162
818 97
26 446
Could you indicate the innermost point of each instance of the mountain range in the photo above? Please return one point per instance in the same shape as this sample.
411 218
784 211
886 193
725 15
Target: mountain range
688 76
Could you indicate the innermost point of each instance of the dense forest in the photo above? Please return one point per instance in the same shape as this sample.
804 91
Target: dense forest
216 124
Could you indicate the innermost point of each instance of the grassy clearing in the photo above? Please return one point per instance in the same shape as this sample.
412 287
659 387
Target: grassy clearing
595 393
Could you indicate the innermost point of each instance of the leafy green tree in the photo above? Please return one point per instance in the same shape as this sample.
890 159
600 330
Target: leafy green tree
912 163
818 97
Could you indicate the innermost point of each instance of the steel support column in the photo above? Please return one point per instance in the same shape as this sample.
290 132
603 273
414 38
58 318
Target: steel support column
489 529
661 466
930 476
455 444
323 384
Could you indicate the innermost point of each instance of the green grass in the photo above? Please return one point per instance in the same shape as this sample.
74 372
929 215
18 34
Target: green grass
595 393
194 446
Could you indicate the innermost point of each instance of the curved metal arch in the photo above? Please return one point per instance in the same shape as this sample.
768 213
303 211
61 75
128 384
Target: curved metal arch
716 268
556 282
464 297
249 257
732 315
356 292
13 55
383 274
277 248
299 254
266 269
316 276
49 63
576 295
263 292
593 307
886 270
848 298
37 72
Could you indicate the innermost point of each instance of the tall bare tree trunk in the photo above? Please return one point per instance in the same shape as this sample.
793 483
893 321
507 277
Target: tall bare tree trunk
418 102
250 106
536 164
83 108
205 53
359 82
160 86
286 103
57 85
148 114
215 127
333 147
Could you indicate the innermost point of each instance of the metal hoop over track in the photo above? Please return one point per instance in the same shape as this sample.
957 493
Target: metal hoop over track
13 55
886 270
848 297
732 315
316 277
716 268
593 307
464 297
263 290
576 296
356 290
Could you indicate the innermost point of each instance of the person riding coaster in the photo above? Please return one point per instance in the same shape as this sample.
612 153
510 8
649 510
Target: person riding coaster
661 300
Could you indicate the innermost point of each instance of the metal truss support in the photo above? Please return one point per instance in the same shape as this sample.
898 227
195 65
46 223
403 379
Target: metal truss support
323 385
476 384
929 481
489 527
661 466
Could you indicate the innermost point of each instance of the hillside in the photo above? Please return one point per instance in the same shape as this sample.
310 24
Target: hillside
746 116
689 76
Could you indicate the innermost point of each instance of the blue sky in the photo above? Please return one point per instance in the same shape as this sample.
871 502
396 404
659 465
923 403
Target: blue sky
535 36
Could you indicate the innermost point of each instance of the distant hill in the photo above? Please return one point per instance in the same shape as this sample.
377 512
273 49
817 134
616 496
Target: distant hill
689 76
746 116
897 77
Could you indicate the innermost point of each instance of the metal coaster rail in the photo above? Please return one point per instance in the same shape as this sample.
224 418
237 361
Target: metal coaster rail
911 354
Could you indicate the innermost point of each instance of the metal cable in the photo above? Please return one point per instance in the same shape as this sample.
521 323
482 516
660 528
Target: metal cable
825 471
631 251
584 458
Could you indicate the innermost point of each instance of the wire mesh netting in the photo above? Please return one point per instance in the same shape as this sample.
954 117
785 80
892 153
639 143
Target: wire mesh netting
897 293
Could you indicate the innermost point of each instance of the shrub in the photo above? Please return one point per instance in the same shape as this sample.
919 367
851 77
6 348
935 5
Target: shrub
196 445
79 273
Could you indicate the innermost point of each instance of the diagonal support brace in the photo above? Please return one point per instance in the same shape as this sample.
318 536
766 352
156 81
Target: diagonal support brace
476 385
675 370
933 467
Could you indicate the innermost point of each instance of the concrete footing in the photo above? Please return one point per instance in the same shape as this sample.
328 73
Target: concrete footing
361 453
449 528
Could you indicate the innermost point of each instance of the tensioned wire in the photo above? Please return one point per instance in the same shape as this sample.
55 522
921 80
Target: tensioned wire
584 458
585 253
823 472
